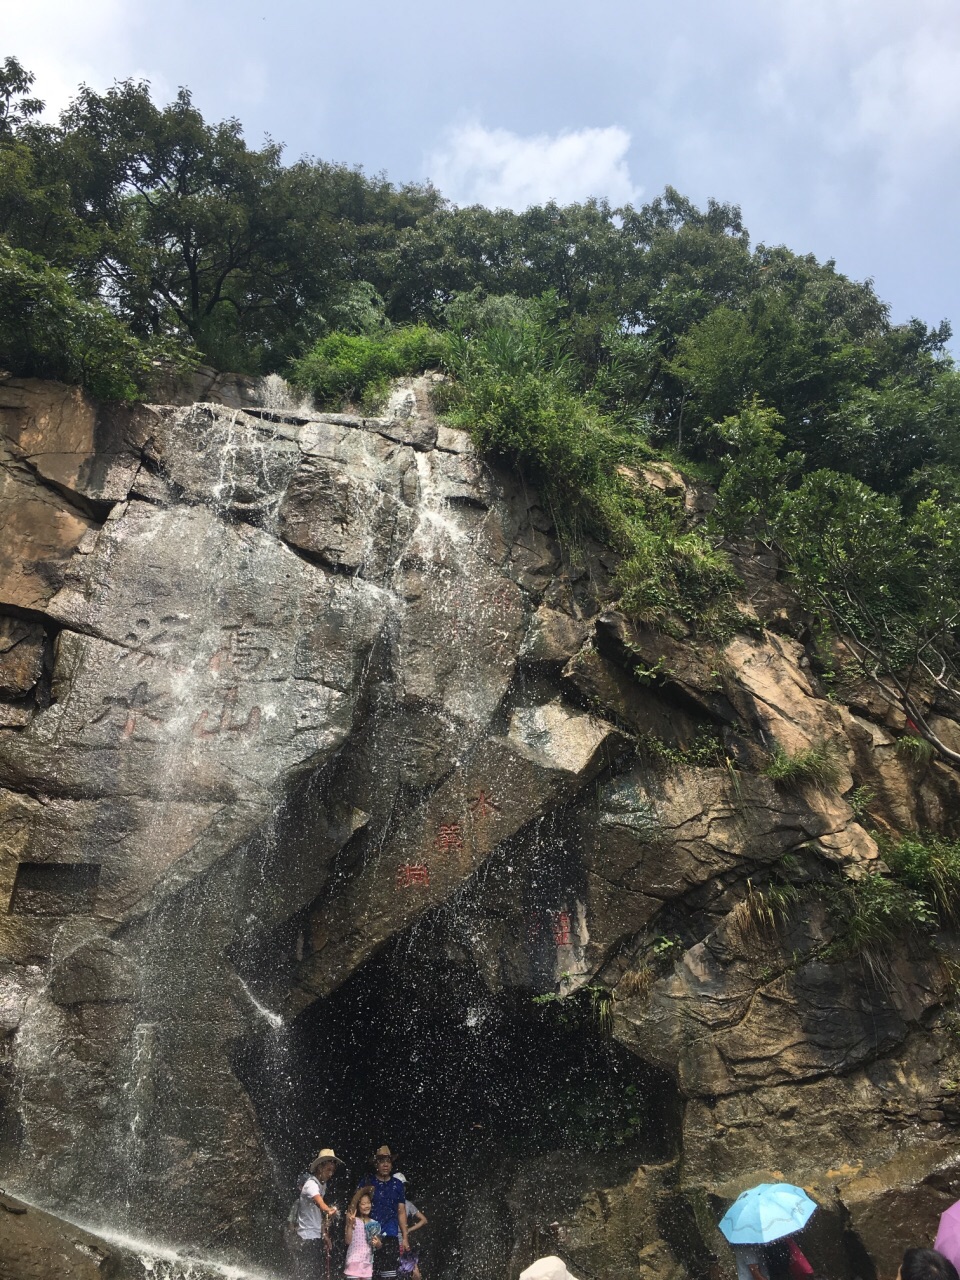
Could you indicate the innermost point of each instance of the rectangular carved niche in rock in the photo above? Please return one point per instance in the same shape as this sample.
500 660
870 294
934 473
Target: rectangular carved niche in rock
54 888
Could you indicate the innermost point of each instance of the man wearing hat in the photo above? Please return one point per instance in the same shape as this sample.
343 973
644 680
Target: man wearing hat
314 1215
389 1208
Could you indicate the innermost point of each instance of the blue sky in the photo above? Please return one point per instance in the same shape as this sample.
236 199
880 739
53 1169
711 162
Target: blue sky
834 124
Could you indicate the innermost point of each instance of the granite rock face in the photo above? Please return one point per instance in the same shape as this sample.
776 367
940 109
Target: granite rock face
35 1246
276 687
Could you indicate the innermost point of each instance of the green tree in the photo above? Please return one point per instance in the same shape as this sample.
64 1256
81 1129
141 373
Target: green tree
758 473
16 107
885 580
47 331
198 233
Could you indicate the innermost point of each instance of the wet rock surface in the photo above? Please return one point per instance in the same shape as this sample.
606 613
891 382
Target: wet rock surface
35 1246
280 690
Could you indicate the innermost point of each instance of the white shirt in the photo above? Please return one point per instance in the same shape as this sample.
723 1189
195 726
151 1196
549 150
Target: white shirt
310 1217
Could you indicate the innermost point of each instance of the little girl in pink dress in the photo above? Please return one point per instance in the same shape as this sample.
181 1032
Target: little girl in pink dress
361 1233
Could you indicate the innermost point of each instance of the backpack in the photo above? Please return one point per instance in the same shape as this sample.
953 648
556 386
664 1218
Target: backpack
293 1215
800 1268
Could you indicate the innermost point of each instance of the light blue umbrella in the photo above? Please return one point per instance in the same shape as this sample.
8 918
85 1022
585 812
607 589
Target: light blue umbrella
766 1213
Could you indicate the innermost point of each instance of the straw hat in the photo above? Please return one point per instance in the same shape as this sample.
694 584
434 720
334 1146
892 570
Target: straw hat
327 1153
551 1268
383 1151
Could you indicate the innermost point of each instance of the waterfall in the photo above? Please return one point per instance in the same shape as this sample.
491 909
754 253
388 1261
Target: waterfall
293 685
158 1261
203 663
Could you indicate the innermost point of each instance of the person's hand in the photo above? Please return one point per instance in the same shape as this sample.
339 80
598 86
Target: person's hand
375 1242
404 1246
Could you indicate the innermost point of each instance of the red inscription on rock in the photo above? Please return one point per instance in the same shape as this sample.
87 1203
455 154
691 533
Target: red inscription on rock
449 837
413 873
483 805
560 926
239 652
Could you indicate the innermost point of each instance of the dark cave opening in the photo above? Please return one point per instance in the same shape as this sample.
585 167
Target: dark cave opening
463 1084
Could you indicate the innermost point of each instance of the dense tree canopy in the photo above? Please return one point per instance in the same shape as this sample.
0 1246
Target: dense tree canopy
185 230
579 339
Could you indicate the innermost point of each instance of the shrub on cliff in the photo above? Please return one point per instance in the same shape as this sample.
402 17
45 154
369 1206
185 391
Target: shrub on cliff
514 388
518 387
873 912
880 572
359 366
929 865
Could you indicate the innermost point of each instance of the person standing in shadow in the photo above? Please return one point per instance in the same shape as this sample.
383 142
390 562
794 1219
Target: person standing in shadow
314 1216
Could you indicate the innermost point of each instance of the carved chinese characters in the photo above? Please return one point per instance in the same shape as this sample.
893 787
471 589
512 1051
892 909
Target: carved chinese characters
554 925
212 725
449 837
483 806
560 927
132 707
239 654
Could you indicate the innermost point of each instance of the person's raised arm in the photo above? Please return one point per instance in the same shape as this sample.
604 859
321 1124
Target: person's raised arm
330 1211
349 1223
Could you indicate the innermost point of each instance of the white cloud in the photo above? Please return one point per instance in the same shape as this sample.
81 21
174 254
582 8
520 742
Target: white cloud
910 89
500 169
875 81
66 44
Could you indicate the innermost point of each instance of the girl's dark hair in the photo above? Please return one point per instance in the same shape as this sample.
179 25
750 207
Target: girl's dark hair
926 1264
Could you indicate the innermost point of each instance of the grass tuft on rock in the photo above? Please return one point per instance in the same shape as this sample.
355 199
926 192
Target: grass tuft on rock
928 865
915 749
818 763
759 914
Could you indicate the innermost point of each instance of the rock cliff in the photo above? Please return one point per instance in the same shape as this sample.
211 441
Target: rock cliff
305 716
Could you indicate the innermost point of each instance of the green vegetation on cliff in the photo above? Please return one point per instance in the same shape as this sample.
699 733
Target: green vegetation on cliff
578 342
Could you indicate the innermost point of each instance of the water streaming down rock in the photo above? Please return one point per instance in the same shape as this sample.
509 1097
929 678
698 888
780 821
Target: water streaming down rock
276 395
333 771
80 1250
223 645
193 685
273 1020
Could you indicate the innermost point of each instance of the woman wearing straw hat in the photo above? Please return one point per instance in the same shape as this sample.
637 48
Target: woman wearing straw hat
314 1215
